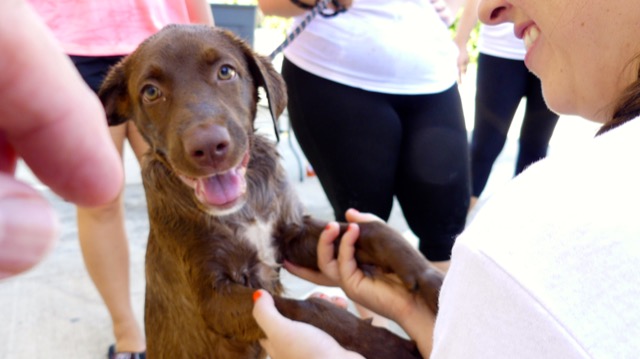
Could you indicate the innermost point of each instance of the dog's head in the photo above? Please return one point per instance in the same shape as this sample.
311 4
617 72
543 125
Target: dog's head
192 92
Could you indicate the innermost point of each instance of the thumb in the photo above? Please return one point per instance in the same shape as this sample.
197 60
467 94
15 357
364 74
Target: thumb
28 227
265 312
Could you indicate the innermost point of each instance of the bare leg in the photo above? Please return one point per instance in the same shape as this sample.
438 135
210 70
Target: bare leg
105 249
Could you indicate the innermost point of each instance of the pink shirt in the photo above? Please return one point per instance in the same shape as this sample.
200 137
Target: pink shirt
107 27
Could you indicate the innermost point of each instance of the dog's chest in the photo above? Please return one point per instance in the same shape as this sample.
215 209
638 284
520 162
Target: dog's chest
258 235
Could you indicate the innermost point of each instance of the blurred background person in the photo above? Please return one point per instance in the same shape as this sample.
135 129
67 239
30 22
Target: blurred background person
501 83
379 115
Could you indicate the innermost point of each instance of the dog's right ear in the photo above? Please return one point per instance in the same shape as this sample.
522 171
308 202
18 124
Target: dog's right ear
114 95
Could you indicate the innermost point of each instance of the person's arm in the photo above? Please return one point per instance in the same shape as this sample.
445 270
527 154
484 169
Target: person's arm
199 12
444 11
283 8
468 20
454 6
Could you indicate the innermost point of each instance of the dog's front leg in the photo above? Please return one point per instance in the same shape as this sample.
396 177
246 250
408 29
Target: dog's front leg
379 246
349 331
299 242
228 312
224 299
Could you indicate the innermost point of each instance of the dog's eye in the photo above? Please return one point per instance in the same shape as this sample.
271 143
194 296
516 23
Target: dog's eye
151 93
226 72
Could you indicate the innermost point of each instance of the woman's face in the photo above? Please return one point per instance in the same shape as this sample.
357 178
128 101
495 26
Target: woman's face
584 51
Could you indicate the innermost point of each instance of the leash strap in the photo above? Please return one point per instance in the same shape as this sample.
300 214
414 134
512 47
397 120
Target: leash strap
318 9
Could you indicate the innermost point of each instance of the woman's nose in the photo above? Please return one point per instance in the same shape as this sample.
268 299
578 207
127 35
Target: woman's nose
493 12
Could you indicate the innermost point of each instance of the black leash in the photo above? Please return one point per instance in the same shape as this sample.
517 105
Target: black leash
318 9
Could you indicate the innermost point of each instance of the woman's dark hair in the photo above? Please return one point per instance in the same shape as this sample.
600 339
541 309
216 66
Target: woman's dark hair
628 106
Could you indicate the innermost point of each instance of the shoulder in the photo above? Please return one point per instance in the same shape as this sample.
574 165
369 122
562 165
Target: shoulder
486 312
555 251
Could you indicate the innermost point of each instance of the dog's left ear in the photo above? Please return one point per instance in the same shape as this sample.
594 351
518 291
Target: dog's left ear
266 76
114 96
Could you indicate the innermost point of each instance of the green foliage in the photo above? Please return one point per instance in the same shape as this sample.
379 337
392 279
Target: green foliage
275 22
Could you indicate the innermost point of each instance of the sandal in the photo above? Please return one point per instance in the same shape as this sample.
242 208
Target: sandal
113 355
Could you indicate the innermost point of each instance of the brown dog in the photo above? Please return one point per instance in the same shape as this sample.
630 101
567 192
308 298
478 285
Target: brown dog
222 215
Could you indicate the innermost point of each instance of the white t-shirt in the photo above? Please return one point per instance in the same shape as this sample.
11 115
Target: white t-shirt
500 41
550 266
399 47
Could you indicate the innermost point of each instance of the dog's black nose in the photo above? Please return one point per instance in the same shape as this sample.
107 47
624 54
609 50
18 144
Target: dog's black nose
207 145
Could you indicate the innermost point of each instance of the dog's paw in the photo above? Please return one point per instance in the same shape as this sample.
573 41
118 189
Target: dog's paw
387 250
428 284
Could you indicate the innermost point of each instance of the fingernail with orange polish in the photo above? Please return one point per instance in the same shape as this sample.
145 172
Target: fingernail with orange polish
256 295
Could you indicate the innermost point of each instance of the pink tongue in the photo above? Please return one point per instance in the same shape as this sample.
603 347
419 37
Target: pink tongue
221 189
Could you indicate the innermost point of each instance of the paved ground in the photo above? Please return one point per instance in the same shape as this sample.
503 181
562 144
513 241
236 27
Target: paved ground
54 311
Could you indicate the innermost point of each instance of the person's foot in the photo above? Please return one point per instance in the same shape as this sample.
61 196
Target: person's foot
112 354
129 338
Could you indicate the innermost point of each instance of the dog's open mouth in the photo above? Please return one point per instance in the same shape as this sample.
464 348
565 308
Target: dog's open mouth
221 190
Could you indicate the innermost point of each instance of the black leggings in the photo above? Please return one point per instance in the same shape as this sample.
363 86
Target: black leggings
501 84
367 147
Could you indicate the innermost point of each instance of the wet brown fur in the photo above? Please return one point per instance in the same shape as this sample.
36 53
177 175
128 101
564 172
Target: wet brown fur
202 269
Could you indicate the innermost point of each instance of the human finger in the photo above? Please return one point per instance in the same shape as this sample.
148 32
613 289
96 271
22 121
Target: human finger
267 317
354 215
265 312
28 227
326 252
463 62
8 156
49 116
349 273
